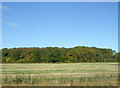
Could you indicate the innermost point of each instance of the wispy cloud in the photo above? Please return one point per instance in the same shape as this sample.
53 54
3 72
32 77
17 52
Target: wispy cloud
4 7
12 24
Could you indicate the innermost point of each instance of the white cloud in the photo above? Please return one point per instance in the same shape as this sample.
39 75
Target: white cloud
12 24
4 7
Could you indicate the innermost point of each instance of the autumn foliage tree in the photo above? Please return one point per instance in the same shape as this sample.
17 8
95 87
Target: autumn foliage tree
59 55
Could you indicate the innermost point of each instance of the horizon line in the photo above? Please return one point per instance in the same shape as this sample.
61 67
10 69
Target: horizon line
57 47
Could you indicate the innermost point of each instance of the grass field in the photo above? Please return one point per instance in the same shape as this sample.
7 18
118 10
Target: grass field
64 74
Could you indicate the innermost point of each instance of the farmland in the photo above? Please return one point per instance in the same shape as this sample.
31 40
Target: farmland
60 74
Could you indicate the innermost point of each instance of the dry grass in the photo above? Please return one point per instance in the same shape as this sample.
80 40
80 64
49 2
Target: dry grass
65 74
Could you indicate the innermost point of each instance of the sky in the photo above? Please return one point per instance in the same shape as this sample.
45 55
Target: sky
60 24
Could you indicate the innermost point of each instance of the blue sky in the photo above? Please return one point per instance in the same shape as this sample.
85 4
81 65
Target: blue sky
62 24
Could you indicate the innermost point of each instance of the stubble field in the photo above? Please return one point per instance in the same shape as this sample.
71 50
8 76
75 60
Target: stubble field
63 74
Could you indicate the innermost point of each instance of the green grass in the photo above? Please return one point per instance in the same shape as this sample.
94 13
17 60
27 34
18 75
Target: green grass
64 74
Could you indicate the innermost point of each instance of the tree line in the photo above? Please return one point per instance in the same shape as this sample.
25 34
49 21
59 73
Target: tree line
59 55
